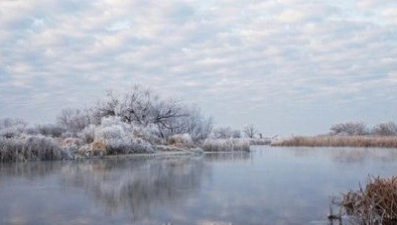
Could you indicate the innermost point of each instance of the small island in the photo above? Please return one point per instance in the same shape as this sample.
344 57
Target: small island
136 123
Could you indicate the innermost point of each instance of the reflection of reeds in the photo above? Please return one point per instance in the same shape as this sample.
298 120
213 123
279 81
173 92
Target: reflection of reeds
222 145
339 141
376 204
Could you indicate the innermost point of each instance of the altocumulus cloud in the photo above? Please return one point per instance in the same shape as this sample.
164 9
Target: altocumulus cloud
288 66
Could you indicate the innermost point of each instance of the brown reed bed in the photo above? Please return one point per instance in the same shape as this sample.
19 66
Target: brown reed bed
339 141
376 204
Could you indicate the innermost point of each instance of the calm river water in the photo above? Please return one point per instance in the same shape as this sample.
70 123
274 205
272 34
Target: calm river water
270 185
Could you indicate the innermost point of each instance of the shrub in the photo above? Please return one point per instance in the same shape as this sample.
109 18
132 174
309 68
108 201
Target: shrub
72 142
8 122
12 132
88 134
182 140
29 148
10 128
119 138
222 133
124 146
98 145
216 145
148 133
50 130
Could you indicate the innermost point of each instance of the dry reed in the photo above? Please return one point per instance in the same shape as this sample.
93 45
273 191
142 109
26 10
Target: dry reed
376 204
339 141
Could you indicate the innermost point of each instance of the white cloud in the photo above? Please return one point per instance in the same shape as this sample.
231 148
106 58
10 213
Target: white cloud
291 16
232 57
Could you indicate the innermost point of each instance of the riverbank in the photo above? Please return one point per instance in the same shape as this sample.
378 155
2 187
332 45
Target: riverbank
339 141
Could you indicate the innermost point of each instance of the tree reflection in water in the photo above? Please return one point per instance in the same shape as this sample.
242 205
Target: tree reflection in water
30 170
137 186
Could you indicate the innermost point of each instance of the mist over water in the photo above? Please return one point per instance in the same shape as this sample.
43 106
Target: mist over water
270 185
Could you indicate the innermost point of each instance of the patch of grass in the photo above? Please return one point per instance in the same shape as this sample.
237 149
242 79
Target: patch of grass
339 141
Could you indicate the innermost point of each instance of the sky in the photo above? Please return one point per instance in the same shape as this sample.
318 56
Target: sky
290 67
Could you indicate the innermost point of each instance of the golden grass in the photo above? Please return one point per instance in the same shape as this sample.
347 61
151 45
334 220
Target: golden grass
339 141
376 204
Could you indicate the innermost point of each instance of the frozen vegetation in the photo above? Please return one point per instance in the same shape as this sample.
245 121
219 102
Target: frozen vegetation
138 121
232 144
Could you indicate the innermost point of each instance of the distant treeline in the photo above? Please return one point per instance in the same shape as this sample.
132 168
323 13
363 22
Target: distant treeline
359 128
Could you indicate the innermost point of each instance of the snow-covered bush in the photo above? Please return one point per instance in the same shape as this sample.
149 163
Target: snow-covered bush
13 131
50 130
119 137
29 148
142 107
125 146
148 133
10 128
72 142
222 133
216 145
88 134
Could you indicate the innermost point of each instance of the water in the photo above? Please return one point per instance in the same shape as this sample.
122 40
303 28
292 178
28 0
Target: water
267 186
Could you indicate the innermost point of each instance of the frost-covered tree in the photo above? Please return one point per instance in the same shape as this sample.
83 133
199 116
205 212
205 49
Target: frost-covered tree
250 131
222 133
193 123
12 127
74 120
236 134
8 122
145 108
50 130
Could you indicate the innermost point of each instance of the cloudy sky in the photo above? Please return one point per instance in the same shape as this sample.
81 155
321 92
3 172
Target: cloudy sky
287 66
